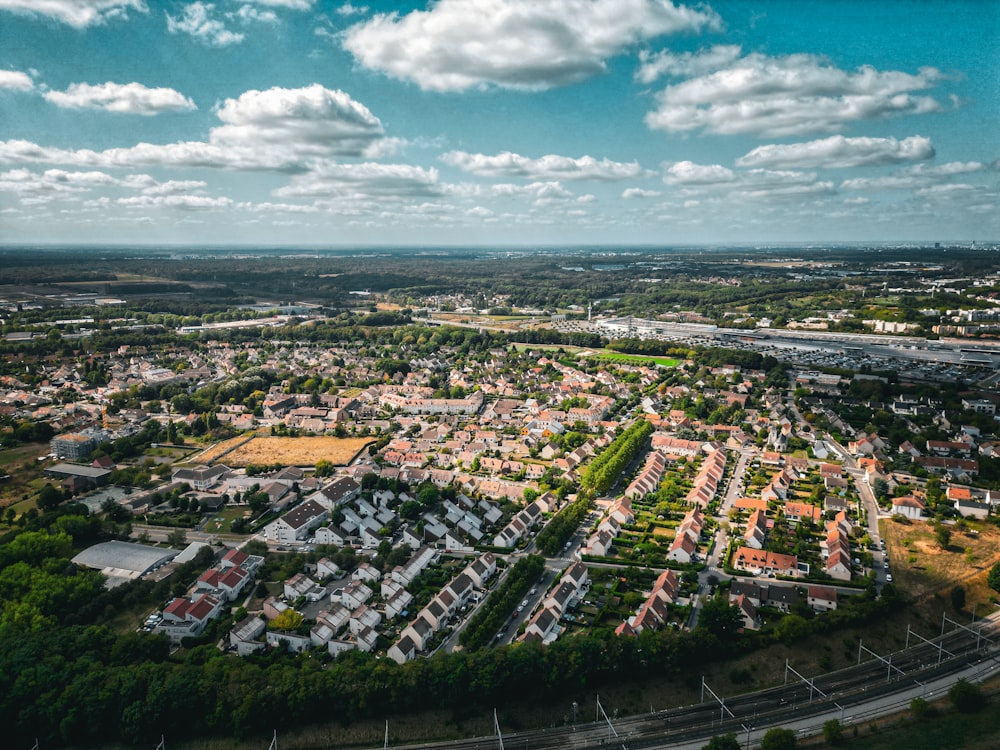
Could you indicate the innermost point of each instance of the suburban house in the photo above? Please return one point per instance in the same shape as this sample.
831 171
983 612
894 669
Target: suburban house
294 526
909 506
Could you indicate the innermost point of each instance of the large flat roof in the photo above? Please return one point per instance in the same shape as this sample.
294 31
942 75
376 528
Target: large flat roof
78 470
124 559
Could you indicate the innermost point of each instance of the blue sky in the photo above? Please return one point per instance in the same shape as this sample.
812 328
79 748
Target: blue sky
498 122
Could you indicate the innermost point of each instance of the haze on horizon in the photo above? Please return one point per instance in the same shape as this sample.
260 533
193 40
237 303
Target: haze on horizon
467 122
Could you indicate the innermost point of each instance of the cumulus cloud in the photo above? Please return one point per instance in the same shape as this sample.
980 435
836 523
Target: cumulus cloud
519 44
917 176
792 95
367 179
689 173
549 167
630 193
289 4
715 180
196 20
16 80
840 152
653 65
279 129
253 14
348 9
182 202
76 13
45 186
131 98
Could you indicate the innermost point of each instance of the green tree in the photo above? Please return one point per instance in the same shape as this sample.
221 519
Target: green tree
719 618
288 621
943 535
177 538
723 742
778 738
958 598
993 579
966 697
833 732
49 497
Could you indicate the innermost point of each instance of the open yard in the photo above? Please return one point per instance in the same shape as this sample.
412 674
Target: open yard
23 469
222 522
921 568
296 451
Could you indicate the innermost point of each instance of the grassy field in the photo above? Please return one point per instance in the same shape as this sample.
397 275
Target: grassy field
24 470
635 359
222 522
924 570
300 451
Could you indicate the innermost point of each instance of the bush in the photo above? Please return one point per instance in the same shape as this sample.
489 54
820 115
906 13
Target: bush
921 709
833 732
778 739
966 697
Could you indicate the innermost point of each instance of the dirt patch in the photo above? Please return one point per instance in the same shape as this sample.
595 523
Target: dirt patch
300 451
660 531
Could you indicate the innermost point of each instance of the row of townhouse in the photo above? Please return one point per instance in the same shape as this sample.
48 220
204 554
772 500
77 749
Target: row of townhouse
619 513
408 404
543 625
648 478
684 547
836 548
706 483
762 562
416 636
653 613
673 446
519 526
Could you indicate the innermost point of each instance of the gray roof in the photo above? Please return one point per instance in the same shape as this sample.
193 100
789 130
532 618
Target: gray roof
77 470
126 559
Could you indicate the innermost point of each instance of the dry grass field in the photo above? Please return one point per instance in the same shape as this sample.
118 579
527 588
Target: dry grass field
296 451
214 453
922 569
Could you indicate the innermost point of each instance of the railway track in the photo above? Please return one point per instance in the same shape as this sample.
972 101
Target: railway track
846 690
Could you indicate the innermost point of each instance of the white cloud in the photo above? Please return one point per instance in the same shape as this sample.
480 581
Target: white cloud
950 169
653 65
279 129
917 176
840 152
76 13
289 4
348 9
45 186
196 20
313 121
689 173
182 202
519 44
549 167
131 98
174 187
630 193
367 179
793 95
16 80
253 14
